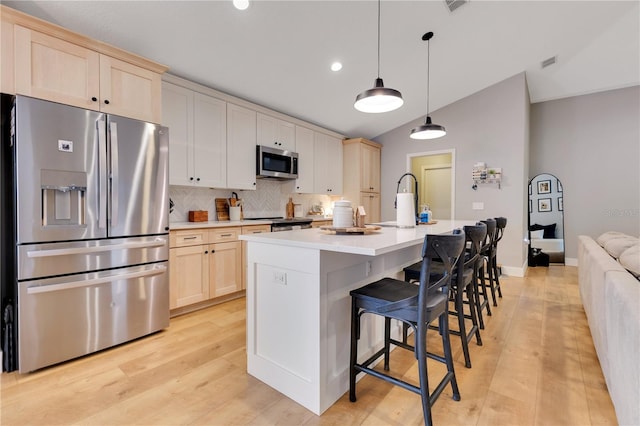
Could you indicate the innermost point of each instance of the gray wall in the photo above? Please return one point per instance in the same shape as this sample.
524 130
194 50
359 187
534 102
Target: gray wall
490 126
592 144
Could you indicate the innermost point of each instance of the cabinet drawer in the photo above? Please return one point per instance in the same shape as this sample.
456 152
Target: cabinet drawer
256 229
222 235
186 238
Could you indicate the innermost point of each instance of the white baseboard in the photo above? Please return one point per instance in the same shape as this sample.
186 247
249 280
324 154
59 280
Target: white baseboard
571 261
514 271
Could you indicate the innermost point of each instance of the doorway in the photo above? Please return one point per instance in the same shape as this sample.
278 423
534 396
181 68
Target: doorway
435 172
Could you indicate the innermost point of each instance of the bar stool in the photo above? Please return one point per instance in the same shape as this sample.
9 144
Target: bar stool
501 223
463 283
416 305
484 274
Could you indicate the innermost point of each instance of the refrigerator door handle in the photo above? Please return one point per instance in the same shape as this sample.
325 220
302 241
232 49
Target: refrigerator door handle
102 165
154 270
160 242
113 130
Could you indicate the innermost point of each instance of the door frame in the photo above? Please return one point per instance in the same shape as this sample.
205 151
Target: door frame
452 152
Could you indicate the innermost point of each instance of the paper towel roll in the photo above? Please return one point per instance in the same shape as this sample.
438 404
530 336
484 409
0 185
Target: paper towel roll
406 213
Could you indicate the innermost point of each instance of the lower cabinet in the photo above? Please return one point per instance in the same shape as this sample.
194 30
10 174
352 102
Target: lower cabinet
225 268
204 264
188 275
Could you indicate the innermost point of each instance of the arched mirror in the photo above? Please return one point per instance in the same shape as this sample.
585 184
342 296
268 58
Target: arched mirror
546 220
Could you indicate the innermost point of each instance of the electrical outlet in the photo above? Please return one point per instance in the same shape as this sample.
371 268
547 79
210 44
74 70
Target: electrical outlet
368 267
280 277
477 205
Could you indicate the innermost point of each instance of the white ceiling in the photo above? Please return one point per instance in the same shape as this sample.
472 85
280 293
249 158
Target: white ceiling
278 53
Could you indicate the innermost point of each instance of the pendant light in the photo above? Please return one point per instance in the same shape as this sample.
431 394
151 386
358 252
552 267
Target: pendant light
428 130
380 98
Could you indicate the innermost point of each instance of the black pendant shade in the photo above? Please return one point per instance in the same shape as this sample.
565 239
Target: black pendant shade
428 130
380 98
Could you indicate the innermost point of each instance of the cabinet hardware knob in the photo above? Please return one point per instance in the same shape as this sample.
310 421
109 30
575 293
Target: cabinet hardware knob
206 252
94 99
106 101
213 251
198 179
191 178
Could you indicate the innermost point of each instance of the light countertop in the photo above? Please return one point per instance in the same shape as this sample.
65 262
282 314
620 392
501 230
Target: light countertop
387 239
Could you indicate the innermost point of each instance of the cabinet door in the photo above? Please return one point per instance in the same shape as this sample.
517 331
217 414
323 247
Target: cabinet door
129 90
188 275
52 69
177 114
209 141
369 168
241 147
328 164
304 147
225 268
371 203
276 133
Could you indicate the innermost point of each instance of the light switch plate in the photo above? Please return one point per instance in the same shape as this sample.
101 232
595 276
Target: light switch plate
478 205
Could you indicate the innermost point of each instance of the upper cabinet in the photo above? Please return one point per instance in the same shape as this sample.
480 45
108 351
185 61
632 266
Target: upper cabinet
328 165
306 164
241 147
197 137
276 133
42 60
362 175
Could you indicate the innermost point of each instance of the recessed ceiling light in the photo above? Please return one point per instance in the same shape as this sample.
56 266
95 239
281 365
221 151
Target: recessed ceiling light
241 4
336 66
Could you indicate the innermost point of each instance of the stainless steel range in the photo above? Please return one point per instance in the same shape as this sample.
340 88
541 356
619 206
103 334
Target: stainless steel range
90 234
282 224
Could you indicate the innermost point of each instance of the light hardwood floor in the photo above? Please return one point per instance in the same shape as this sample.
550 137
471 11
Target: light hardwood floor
537 367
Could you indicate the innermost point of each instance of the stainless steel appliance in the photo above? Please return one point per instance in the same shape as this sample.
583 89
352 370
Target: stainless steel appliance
276 163
282 224
90 247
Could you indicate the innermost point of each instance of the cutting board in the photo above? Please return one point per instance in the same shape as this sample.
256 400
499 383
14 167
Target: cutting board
222 208
351 230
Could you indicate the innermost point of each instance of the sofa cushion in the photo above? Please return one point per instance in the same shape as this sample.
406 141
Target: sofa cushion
537 235
630 260
549 230
616 246
602 239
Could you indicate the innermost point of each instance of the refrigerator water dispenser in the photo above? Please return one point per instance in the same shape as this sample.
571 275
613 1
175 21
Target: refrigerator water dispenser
63 198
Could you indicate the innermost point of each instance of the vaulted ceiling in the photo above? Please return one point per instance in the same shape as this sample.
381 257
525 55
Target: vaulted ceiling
278 53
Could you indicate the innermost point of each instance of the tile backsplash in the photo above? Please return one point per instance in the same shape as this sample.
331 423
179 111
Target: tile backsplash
269 199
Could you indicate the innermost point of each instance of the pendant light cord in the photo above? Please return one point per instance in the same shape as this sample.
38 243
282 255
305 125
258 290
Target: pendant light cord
428 72
378 38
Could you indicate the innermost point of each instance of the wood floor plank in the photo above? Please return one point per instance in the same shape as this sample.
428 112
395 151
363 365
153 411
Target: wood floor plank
537 366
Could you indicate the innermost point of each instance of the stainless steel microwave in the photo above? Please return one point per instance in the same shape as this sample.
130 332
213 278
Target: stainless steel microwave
276 163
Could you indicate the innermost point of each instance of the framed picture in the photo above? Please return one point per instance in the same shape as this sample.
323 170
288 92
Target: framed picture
544 186
559 186
560 204
544 204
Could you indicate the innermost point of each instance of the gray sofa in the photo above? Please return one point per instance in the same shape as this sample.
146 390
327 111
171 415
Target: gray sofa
608 276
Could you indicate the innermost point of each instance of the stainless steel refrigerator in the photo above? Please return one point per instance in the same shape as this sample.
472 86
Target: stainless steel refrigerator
88 240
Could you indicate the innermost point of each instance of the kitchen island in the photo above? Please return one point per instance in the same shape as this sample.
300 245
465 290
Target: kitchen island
298 304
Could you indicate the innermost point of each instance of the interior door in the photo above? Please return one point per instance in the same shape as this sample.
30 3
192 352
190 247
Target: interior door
437 191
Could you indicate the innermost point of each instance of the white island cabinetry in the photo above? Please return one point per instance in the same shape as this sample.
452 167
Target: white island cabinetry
298 304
